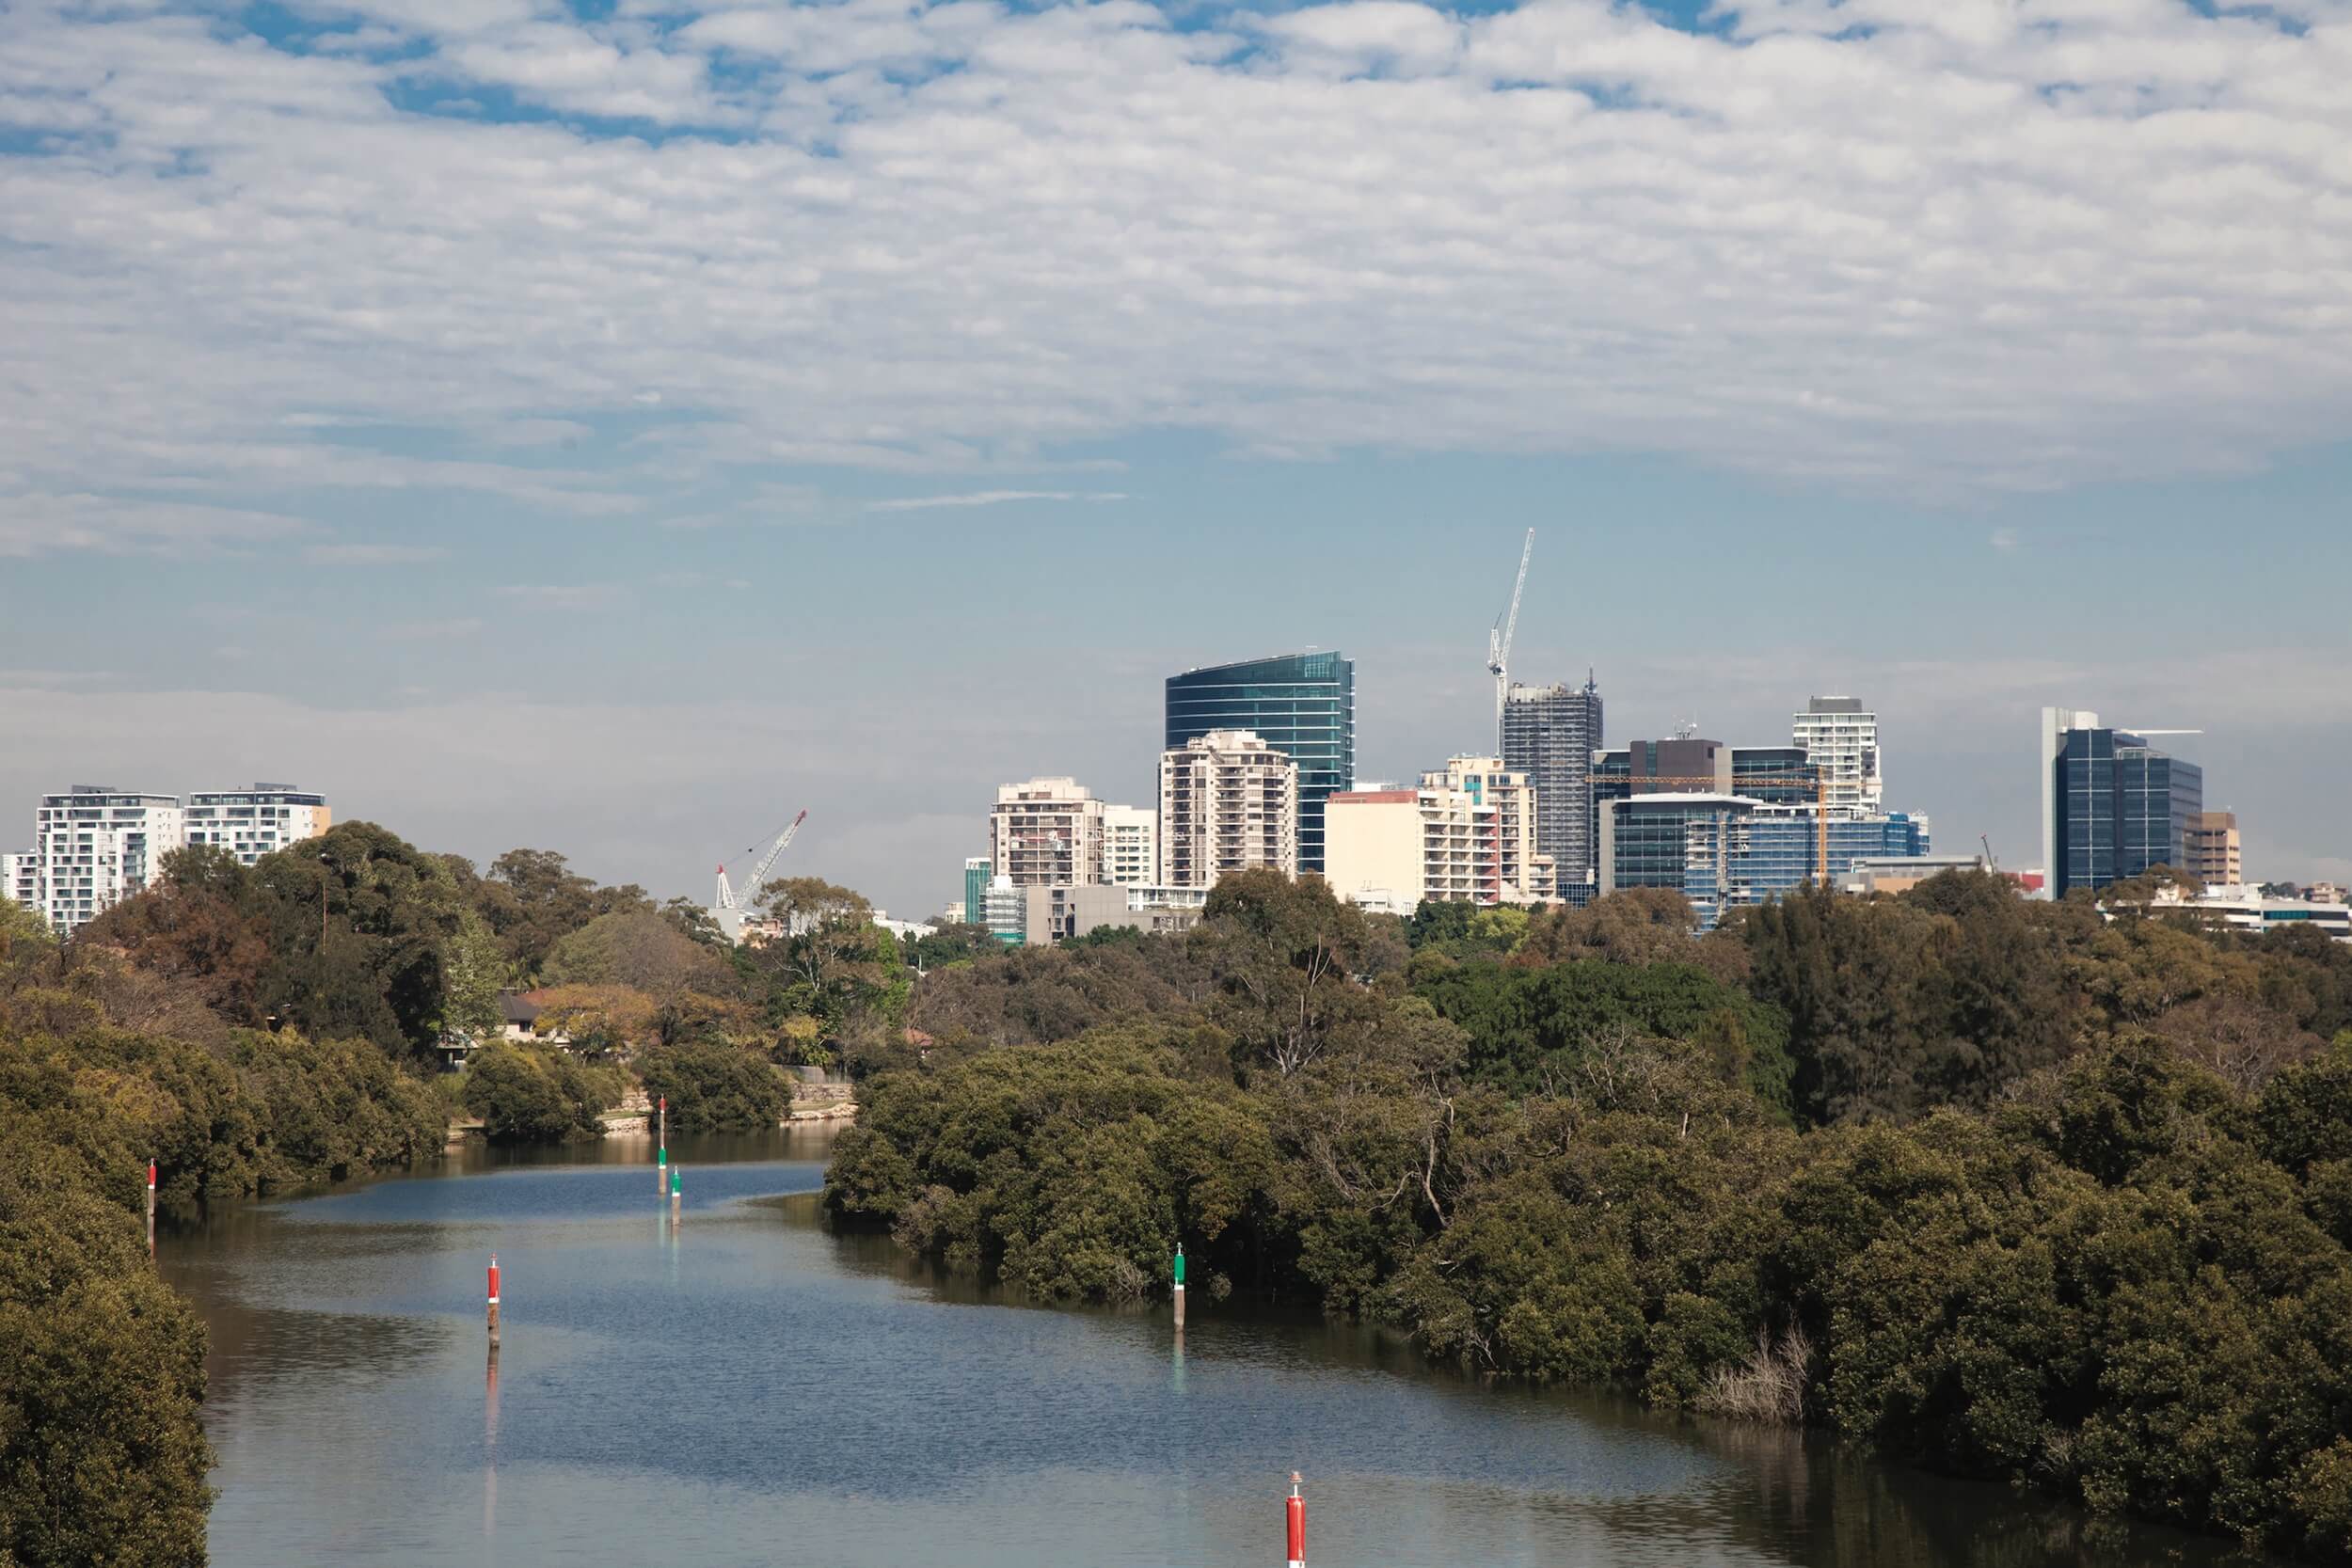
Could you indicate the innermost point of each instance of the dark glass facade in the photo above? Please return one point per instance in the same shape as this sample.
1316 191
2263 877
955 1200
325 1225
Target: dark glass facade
2122 807
1301 704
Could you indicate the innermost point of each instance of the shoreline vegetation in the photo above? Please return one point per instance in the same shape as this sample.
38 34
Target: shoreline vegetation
1998 1189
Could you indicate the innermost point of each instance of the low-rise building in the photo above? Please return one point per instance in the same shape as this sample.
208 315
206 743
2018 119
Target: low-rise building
1055 915
2239 906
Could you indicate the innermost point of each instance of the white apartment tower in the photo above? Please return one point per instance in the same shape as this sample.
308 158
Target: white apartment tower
257 821
1131 845
1047 832
95 846
20 879
1842 741
1227 802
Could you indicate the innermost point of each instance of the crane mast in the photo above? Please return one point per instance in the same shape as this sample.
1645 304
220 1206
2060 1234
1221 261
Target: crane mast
1498 638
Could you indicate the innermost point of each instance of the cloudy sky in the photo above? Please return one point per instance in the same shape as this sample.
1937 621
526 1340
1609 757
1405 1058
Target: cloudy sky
614 427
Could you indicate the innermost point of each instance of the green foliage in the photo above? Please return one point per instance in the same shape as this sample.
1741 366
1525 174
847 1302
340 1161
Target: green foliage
533 1097
1528 1028
102 1459
714 1088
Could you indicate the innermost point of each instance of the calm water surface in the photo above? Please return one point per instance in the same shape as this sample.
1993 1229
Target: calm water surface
746 1388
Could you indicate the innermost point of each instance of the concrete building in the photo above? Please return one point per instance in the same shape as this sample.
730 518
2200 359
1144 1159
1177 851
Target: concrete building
2241 907
2212 851
1047 833
1842 741
1131 845
95 846
978 873
1721 851
1373 848
1892 874
2113 805
1551 733
1227 802
20 879
1300 704
256 821
1530 876
2323 893
1055 915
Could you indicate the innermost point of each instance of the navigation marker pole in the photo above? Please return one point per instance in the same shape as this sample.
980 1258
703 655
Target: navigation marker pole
494 1298
1294 1509
676 1194
662 1141
1179 1287
661 1172
151 1209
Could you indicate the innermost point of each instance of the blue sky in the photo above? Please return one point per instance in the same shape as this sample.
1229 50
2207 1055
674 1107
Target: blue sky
616 429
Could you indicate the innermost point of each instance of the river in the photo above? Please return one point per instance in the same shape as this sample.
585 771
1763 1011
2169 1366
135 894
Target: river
746 1388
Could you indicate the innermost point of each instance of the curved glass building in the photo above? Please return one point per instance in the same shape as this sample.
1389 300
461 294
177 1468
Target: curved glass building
1301 704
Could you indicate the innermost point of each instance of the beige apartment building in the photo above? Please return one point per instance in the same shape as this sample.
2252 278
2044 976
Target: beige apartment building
1047 833
2211 847
1466 836
1227 802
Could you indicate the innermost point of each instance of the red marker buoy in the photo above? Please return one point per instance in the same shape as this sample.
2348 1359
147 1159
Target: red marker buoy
1295 1508
494 1292
151 1176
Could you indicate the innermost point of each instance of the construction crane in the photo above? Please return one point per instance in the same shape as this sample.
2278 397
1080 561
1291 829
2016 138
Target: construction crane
1499 639
1709 784
1990 863
729 901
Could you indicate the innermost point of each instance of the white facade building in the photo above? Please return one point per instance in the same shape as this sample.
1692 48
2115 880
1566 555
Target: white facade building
20 879
1131 845
2243 908
256 821
95 846
1047 832
1841 739
1227 802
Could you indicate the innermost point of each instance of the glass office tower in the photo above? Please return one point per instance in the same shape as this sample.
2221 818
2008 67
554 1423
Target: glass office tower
1301 704
2115 805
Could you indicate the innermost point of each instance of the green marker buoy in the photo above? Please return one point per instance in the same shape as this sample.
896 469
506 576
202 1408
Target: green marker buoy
660 1171
1180 1285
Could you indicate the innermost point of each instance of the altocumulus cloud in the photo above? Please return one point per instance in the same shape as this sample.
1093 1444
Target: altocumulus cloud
1915 244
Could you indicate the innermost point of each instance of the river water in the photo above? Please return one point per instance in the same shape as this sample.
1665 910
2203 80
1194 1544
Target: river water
743 1388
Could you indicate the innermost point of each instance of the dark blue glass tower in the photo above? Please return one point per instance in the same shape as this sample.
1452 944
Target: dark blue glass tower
2121 806
1301 704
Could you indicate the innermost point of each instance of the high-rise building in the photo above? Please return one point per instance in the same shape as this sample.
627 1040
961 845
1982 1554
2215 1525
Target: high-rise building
1227 802
1005 911
250 823
2113 805
2212 851
95 846
1131 845
1776 775
20 879
1300 704
1530 876
1841 739
1723 851
1550 733
1047 833
978 871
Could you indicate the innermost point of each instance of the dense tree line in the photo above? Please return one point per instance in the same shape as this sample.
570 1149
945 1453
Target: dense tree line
2003 1189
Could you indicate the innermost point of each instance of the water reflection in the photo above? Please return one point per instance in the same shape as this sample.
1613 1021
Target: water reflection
797 1387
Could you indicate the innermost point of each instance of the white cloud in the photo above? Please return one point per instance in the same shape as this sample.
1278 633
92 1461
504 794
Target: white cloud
562 595
373 555
2005 540
1908 246
990 498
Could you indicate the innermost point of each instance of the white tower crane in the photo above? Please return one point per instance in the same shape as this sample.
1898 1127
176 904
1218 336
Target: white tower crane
1499 639
730 906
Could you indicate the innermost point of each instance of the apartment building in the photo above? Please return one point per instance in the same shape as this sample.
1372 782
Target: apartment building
1840 738
1227 802
1131 845
2212 849
258 820
95 846
1047 833
1466 836
1530 876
